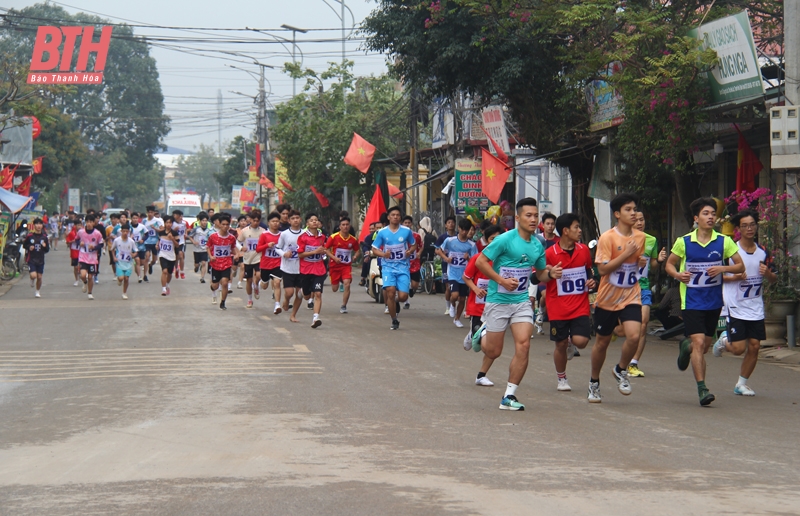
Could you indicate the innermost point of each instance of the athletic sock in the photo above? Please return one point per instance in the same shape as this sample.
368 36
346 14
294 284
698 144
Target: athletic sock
592 380
634 362
561 376
481 375
511 389
701 388
742 381
250 297
617 369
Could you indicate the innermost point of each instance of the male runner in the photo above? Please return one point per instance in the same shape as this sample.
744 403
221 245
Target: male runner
153 225
697 262
199 236
344 248
310 248
392 245
550 239
251 258
456 252
89 240
221 251
655 259
271 259
180 227
238 264
74 246
139 235
101 228
125 249
414 259
508 262
478 285
619 299
37 246
168 243
742 293
54 228
110 236
285 210
570 324
290 262
450 231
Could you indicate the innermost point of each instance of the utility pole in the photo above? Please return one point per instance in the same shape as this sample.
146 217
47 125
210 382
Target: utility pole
415 116
294 30
262 147
219 123
791 59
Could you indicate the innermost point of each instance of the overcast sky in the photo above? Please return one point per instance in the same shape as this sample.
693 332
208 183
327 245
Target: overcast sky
190 82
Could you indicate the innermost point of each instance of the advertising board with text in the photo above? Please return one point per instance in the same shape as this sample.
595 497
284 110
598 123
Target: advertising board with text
468 186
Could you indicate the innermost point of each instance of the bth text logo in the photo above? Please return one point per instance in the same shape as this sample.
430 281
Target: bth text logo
57 67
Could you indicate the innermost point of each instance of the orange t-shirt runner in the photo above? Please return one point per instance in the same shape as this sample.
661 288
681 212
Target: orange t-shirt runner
619 288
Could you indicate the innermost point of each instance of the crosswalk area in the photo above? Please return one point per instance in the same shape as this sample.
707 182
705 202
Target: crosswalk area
83 364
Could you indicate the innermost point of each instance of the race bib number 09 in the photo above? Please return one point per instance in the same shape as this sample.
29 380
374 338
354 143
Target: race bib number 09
572 282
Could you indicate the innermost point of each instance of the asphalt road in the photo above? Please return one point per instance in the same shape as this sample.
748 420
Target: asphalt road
170 406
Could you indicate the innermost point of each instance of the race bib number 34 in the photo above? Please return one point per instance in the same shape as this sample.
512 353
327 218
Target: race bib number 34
222 251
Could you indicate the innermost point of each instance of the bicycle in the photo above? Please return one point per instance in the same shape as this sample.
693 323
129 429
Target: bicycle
428 276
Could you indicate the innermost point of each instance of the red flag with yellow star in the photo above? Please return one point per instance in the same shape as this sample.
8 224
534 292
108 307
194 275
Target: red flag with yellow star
494 174
360 154
37 165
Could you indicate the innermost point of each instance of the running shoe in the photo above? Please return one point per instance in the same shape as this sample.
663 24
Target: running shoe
183 276
140 280
684 354
163 292
91 297
623 384
744 390
168 290
77 283
386 309
476 338
452 312
395 324
124 296
277 309
202 280
468 342
539 318
177 273
571 349
341 287
147 280
37 294
230 290
97 280
214 297
310 304
149 269
249 304
316 323
706 398
447 310
343 309
256 293
458 323
635 372
407 305
563 385
84 288
510 403
483 382
222 305
719 346
196 268
577 353
594 393
239 286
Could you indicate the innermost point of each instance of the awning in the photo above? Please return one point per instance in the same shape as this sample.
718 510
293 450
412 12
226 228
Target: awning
440 174
15 203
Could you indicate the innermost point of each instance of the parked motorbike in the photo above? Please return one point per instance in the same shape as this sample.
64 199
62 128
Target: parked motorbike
14 256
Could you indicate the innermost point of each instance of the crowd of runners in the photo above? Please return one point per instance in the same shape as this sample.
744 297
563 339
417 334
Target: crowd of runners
505 278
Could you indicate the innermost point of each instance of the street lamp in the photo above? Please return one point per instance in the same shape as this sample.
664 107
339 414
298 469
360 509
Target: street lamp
294 30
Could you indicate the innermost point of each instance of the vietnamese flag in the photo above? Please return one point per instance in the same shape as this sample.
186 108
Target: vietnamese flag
24 187
285 184
323 201
37 165
494 174
501 155
360 154
6 178
266 183
747 166
374 210
247 195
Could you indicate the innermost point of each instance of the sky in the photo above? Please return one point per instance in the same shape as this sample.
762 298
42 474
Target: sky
191 82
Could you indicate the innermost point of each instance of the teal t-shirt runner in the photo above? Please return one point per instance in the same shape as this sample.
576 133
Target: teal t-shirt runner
513 256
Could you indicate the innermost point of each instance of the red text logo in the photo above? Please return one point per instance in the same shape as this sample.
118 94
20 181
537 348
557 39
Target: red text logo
57 67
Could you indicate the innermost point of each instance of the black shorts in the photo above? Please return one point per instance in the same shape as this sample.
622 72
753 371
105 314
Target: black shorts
739 330
312 283
151 248
578 327
217 275
250 269
461 288
91 268
267 274
74 262
606 320
700 321
169 265
291 280
180 248
236 262
142 254
416 276
200 257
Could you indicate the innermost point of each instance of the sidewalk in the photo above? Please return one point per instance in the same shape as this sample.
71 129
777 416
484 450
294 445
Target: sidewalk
5 287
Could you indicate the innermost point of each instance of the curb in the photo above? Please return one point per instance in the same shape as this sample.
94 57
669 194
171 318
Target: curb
5 287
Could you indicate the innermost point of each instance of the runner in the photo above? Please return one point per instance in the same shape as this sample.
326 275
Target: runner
366 245
310 248
699 257
125 249
570 323
221 250
139 235
251 258
153 225
110 236
89 240
456 252
744 301
271 259
508 262
199 237
344 248
168 243
450 231
54 229
392 245
478 285
238 264
37 245
180 227
74 246
414 259
655 259
549 239
285 210
290 263
619 299
101 228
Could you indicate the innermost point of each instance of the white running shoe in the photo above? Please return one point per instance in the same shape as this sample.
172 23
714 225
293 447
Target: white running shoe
563 385
458 323
256 293
719 346
33 283
230 290
91 297
76 284
124 296
84 288
239 286
744 390
483 382
386 309
594 393
623 384
277 309
343 309
214 297
37 294
468 342
452 312
571 349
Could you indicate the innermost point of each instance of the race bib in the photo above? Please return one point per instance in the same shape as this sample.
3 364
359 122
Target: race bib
313 257
572 282
645 271
203 241
251 244
135 236
750 288
344 254
521 274
395 253
626 276
272 252
122 256
165 246
74 246
482 284
151 231
458 259
222 251
700 277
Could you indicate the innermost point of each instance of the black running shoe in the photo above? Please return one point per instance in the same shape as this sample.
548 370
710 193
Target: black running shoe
395 324
222 305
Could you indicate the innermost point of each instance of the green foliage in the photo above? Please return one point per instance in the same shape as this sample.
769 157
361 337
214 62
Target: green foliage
200 170
234 171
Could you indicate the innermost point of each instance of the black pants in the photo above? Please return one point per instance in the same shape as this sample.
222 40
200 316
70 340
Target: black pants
669 321
365 268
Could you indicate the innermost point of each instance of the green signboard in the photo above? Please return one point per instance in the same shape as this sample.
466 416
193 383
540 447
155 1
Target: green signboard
468 186
736 74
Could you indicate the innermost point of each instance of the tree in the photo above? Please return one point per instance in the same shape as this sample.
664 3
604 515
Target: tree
233 169
199 170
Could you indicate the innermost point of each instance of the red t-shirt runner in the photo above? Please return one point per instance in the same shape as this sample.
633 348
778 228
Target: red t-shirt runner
568 297
312 265
476 304
342 248
221 248
414 257
270 257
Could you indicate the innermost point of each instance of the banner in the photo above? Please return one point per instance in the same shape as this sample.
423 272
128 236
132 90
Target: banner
236 202
737 74
468 186
605 103
5 224
74 199
252 174
494 124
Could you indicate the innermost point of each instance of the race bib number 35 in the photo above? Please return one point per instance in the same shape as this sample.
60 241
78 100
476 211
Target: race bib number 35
700 277
521 274
572 282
